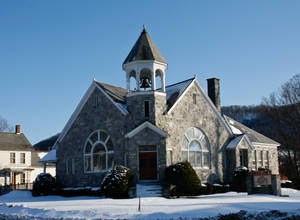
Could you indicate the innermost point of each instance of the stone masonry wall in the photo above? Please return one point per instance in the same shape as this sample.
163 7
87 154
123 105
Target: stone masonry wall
105 117
186 114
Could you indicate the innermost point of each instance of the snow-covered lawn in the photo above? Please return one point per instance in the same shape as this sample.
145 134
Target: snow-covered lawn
23 204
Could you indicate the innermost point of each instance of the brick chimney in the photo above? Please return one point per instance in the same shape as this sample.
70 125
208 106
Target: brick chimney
213 90
18 129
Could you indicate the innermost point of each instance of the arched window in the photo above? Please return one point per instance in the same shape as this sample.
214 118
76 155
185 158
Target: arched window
195 148
98 152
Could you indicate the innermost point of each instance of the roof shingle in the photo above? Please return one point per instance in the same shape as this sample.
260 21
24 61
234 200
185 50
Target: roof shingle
8 139
144 49
253 136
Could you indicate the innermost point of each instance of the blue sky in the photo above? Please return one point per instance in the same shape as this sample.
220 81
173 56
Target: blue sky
51 50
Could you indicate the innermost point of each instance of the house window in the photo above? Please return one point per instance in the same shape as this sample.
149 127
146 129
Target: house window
244 157
22 178
195 148
22 158
12 157
98 152
147 109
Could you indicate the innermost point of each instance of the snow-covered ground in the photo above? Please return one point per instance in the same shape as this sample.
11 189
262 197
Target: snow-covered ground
21 203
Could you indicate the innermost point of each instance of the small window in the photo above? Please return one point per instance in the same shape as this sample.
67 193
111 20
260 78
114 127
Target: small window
266 159
259 159
254 159
12 157
169 157
22 158
195 98
67 167
97 102
73 166
147 109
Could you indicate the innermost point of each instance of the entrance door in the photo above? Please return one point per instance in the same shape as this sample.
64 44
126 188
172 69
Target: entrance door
14 178
244 157
148 165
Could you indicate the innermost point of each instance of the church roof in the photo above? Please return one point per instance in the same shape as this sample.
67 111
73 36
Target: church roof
254 137
8 139
174 91
118 94
144 49
235 142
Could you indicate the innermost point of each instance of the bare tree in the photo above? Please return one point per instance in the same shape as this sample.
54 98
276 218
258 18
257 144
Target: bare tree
4 126
283 109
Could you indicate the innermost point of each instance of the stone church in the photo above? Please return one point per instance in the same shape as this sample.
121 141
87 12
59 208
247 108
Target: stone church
152 126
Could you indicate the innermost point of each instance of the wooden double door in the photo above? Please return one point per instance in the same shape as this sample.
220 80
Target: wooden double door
148 165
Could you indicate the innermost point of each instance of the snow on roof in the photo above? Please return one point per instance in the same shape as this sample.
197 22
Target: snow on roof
235 142
235 130
49 157
254 137
178 87
175 91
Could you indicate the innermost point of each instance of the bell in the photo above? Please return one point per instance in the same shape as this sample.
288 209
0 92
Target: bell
145 83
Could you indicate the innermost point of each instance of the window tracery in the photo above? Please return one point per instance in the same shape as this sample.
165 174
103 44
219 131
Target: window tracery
195 148
98 152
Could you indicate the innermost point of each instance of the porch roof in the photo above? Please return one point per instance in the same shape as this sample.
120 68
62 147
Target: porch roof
142 127
49 157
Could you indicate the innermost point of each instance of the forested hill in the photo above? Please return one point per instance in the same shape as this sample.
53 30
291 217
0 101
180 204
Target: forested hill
251 116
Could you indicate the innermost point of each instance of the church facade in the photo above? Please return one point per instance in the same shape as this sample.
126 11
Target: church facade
152 126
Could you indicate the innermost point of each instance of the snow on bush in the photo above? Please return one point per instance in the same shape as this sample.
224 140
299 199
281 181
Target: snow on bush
44 184
185 179
116 182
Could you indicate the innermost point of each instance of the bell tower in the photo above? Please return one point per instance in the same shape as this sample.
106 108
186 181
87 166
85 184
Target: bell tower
145 63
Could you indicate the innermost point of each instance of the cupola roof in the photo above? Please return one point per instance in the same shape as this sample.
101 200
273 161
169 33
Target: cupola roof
144 49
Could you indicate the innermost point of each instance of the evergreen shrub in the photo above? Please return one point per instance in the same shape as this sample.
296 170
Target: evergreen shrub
117 181
185 179
43 185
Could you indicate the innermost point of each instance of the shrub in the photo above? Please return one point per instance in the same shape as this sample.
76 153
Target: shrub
185 179
239 180
44 184
116 182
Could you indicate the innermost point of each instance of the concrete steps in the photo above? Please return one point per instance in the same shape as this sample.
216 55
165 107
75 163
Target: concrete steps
148 190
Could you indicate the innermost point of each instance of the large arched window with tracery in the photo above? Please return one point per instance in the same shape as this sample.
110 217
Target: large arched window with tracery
98 152
195 148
